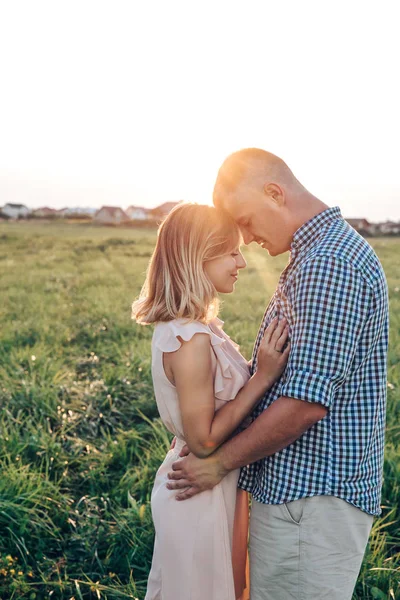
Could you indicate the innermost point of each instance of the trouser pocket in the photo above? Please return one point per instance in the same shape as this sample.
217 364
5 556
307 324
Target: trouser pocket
294 510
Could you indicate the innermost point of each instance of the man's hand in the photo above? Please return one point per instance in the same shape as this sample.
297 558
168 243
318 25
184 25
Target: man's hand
194 475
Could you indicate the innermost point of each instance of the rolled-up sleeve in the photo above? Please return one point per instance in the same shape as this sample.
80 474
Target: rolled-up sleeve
329 305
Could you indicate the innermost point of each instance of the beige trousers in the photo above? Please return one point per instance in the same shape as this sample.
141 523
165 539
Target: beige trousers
308 549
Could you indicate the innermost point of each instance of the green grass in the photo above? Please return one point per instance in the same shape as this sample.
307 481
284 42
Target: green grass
80 437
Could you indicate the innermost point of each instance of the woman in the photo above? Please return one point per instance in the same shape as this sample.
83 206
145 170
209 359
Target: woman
204 392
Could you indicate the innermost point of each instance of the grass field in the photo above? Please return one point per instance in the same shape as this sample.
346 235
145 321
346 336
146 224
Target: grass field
80 438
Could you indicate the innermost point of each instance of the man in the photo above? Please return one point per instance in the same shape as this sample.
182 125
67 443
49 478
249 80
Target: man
312 456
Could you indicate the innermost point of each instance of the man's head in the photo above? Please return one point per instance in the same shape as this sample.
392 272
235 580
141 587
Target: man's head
261 193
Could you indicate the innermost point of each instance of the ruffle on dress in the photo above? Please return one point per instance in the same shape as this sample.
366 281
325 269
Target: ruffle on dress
228 378
216 322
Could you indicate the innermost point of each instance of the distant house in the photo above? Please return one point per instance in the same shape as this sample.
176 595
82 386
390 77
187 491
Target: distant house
111 214
62 212
15 211
44 211
358 223
362 225
389 228
164 209
138 213
78 211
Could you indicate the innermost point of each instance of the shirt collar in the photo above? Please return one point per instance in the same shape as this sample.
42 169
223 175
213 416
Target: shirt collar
304 236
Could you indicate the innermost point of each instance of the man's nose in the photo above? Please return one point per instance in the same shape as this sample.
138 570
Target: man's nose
247 236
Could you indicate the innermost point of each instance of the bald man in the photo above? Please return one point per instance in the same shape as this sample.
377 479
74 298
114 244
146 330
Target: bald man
312 456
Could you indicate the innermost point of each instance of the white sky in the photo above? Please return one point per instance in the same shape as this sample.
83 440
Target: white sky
138 102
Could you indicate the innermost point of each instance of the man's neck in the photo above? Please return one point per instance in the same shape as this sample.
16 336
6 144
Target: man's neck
309 206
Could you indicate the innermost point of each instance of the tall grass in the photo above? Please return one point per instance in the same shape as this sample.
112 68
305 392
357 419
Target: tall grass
80 437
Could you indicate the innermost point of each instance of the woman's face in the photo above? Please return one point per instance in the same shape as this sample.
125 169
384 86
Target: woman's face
223 271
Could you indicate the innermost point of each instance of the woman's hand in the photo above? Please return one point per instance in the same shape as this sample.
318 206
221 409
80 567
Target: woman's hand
271 358
184 450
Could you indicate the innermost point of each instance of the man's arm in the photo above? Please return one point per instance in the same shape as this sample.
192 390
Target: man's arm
278 426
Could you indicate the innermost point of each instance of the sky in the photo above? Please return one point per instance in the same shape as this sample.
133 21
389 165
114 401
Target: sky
133 102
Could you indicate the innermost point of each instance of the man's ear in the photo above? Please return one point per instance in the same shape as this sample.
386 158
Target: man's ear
275 193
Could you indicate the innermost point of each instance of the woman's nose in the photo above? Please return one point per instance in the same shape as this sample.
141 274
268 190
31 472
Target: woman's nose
240 262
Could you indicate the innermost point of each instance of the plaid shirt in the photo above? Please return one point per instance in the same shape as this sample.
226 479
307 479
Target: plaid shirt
333 294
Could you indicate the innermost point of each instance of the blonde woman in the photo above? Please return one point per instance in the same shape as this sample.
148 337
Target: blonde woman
204 392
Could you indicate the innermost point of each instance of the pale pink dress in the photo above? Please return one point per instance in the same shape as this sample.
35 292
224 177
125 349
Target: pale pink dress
200 549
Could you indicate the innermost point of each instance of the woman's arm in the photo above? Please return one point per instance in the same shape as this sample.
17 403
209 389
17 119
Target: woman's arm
204 429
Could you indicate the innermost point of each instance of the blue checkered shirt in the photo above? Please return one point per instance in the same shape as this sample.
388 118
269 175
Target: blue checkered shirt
333 294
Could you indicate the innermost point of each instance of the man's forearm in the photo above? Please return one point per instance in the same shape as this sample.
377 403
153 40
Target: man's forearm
278 426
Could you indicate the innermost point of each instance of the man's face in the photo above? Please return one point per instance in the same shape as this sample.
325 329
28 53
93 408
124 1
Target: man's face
260 218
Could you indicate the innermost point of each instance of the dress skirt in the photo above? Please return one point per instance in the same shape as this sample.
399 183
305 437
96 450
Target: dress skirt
200 548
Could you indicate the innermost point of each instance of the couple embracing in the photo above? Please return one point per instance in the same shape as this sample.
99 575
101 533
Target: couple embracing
299 430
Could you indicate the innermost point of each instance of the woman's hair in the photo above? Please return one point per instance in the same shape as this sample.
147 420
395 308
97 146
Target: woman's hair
176 285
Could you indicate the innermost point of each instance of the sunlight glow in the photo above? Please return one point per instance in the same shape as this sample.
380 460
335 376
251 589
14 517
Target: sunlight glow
139 102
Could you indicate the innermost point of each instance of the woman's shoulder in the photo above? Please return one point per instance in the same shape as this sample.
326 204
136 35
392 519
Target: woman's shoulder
168 334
